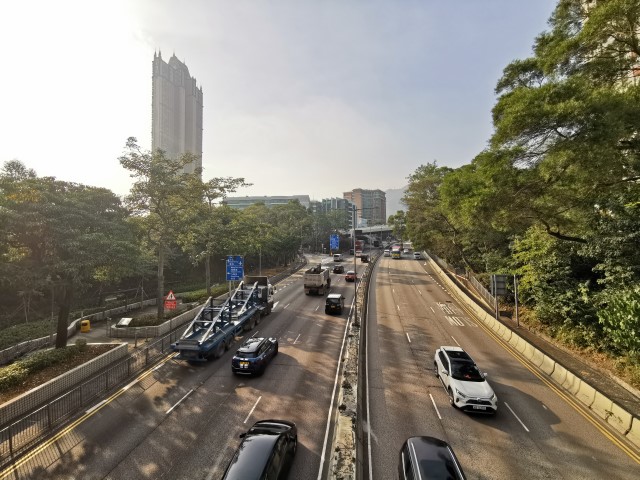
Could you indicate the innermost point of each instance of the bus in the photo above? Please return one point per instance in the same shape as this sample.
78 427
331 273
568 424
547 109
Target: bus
396 252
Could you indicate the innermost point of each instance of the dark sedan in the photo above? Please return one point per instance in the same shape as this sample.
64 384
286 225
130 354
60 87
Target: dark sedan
254 355
428 458
266 451
338 269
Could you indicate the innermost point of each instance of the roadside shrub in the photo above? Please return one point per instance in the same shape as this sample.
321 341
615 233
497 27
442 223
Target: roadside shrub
17 372
15 334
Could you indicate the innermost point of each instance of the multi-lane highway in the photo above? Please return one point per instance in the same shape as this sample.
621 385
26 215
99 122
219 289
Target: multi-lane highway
536 434
183 421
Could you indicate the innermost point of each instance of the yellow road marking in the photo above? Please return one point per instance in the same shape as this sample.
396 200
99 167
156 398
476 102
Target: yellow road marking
69 428
578 407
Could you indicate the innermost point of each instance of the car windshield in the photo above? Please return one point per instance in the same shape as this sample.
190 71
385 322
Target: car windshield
334 301
466 371
246 354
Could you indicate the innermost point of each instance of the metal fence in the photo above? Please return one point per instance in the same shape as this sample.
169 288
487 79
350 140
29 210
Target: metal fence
30 429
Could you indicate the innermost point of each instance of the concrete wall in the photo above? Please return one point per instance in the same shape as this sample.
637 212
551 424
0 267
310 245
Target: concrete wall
616 416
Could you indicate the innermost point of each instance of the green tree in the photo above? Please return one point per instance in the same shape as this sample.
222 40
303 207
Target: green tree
162 200
398 222
63 233
211 229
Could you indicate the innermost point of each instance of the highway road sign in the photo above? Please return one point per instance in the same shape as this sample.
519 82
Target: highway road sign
235 267
334 242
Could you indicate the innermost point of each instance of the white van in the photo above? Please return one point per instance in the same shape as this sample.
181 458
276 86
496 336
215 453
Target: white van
337 257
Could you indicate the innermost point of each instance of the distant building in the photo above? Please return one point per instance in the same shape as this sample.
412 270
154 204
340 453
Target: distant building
371 206
241 203
176 111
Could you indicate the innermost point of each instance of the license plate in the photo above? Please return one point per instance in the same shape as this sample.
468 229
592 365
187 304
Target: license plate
244 364
479 407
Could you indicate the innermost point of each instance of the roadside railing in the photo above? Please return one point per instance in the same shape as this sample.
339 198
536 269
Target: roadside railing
33 427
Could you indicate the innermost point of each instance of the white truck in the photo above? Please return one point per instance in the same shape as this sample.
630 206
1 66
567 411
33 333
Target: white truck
317 280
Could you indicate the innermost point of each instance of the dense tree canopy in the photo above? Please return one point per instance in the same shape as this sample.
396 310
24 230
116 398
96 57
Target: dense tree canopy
555 197
61 235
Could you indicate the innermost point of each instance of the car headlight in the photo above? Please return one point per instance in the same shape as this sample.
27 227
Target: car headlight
494 397
460 394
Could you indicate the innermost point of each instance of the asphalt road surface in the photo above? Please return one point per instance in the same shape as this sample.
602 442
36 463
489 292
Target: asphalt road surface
536 434
180 421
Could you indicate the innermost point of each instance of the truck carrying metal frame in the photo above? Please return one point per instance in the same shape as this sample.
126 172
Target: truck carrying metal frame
215 326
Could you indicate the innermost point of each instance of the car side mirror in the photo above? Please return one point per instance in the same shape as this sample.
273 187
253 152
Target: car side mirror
445 371
484 374
242 435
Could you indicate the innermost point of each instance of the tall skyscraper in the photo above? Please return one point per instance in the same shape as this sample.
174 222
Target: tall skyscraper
371 205
176 111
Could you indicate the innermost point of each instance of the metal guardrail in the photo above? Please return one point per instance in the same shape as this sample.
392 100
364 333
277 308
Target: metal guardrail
30 429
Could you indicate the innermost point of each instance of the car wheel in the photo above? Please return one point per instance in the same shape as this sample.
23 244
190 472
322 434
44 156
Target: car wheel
451 401
435 370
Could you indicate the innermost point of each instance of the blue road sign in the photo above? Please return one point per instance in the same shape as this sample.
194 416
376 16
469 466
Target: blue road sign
334 242
235 267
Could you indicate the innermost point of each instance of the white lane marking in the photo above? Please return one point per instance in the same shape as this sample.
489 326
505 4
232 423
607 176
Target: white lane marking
179 401
97 405
544 406
398 307
432 309
252 409
434 406
454 339
333 393
286 305
393 290
517 418
317 308
294 342
129 385
419 292
455 321
408 337
275 305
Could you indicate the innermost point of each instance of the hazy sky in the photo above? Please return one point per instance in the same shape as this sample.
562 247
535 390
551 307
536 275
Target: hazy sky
300 97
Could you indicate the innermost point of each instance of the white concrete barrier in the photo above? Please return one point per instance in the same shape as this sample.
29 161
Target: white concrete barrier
559 374
620 419
602 406
529 351
548 365
634 432
537 357
571 383
586 394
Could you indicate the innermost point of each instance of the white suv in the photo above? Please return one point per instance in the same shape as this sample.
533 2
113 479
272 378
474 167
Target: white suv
417 255
466 386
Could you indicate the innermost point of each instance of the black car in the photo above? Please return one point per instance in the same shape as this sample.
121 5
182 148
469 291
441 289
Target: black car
428 458
266 451
338 269
254 355
334 303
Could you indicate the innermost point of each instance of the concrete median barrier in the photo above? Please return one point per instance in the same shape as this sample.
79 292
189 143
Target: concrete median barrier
585 393
602 406
529 351
571 383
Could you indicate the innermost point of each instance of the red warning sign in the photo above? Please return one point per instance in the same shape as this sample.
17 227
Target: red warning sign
170 302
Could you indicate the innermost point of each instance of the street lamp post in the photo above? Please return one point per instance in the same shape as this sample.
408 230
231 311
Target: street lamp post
355 269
